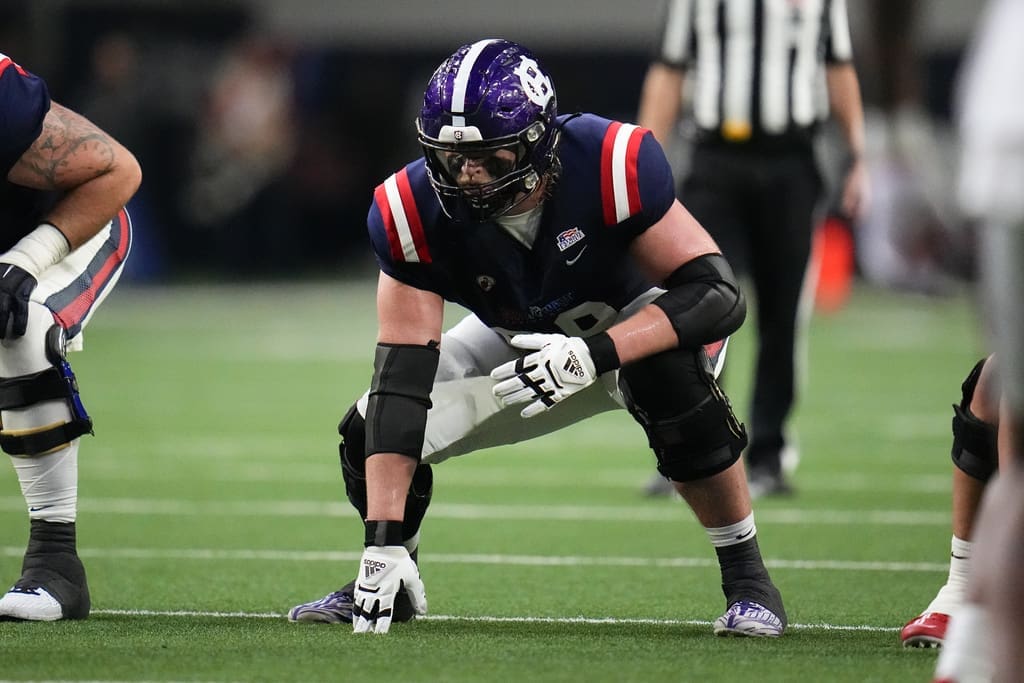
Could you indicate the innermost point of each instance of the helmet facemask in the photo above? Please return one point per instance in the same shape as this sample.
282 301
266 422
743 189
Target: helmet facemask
483 179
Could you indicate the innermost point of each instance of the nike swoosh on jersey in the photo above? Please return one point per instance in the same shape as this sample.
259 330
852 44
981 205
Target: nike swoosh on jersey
576 258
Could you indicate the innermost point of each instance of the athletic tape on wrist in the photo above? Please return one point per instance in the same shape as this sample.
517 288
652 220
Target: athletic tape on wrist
602 352
38 250
382 532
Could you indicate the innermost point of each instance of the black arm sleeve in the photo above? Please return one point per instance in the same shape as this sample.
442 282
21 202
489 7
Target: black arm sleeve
703 301
396 414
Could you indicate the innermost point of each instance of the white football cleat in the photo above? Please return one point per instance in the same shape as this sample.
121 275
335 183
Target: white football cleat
29 604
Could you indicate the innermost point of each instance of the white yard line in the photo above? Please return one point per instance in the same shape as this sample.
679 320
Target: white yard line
484 559
674 513
497 477
493 620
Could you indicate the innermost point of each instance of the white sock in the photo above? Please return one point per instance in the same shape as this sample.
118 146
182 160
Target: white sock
740 532
965 656
951 595
49 484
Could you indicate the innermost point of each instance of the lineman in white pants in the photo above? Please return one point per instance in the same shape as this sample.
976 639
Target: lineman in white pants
64 237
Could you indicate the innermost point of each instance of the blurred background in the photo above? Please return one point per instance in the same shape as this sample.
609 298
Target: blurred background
262 127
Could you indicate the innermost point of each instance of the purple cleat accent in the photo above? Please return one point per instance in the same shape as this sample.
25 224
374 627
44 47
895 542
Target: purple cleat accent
746 618
335 608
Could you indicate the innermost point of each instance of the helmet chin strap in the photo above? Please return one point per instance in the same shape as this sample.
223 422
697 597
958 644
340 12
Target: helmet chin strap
529 200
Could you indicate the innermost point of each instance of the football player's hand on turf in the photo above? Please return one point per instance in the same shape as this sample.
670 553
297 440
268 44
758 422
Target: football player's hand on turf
384 572
559 367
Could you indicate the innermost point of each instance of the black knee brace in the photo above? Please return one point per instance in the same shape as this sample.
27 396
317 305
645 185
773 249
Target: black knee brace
689 422
974 441
353 469
57 382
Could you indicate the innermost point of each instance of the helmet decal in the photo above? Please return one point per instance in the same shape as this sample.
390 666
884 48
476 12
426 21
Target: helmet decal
535 82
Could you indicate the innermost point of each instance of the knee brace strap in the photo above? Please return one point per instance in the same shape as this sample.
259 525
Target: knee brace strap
40 440
974 445
698 444
50 384
975 450
21 392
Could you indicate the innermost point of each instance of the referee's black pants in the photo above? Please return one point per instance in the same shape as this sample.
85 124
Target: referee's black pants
760 208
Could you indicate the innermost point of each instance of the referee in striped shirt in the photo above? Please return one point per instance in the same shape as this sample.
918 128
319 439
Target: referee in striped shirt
765 75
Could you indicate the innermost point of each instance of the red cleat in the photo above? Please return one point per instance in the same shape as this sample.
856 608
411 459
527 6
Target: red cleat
926 630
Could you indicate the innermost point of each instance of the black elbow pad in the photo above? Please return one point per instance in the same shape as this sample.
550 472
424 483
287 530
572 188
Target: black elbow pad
703 302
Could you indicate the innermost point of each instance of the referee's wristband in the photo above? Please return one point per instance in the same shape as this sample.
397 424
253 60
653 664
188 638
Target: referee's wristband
602 352
35 252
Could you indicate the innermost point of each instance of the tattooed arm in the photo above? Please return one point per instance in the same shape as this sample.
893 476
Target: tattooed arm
97 175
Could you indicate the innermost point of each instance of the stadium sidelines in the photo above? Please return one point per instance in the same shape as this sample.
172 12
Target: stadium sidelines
494 620
485 559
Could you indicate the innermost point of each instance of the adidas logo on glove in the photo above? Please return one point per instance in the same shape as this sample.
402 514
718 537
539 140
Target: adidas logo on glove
371 567
573 366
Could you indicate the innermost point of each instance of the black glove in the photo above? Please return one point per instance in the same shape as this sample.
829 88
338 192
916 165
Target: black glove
16 286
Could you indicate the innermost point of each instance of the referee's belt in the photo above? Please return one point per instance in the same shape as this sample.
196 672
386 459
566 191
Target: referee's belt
793 140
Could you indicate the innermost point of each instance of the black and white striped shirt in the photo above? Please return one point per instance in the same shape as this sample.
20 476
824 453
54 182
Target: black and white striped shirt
758 65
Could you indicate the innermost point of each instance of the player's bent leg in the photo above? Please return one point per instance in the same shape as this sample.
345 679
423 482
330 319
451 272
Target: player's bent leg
352 452
974 454
465 417
698 441
43 418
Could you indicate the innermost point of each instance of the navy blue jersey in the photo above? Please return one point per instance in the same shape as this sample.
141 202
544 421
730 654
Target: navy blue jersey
615 183
24 101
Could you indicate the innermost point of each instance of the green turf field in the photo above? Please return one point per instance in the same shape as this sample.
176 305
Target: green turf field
211 501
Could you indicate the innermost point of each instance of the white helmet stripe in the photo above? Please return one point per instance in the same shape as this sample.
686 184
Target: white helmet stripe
462 80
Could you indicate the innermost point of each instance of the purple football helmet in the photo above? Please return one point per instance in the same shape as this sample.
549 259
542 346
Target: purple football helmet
490 105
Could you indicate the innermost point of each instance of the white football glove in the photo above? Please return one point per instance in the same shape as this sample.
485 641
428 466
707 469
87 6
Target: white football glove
560 367
384 571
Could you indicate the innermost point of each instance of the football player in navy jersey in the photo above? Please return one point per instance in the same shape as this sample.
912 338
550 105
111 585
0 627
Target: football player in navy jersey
591 288
65 236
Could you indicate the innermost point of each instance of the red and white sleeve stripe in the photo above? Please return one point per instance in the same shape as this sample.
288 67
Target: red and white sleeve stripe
620 187
401 218
6 61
